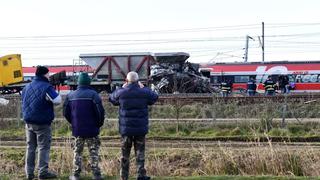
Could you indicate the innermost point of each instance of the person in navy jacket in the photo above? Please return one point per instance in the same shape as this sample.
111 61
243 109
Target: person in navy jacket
251 87
133 99
38 98
83 109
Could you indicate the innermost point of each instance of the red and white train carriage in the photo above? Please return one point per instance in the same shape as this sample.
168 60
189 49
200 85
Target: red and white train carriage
304 76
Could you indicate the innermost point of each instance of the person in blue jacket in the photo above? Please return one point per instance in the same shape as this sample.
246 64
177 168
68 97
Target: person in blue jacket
251 87
133 99
83 109
38 98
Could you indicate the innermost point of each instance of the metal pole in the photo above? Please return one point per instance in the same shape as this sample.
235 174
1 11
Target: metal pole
18 112
262 42
246 52
284 111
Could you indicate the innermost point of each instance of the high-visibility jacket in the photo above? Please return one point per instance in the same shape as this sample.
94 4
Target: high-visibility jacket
225 87
269 85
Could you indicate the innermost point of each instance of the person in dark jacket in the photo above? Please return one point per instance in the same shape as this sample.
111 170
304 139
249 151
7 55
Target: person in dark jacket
284 84
269 86
38 98
226 88
83 109
133 99
251 87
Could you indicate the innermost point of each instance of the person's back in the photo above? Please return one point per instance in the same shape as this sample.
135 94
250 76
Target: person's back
86 114
133 111
269 86
286 84
133 100
226 87
251 87
83 109
38 98
35 108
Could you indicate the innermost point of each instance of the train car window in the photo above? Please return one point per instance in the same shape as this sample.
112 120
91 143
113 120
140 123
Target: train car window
291 78
253 76
225 78
319 78
16 74
27 78
241 79
306 78
298 78
206 73
229 78
214 79
314 78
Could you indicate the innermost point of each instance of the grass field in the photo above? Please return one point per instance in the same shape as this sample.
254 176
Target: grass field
7 177
167 162
195 163
183 129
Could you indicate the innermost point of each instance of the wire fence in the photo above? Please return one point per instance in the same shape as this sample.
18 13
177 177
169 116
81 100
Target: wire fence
216 108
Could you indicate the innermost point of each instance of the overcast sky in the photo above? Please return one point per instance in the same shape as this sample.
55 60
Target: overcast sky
55 32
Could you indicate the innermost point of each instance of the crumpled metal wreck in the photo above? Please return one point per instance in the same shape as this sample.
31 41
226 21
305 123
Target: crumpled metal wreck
173 74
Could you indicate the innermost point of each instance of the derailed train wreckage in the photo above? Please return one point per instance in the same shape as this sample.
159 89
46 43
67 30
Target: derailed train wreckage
177 75
163 72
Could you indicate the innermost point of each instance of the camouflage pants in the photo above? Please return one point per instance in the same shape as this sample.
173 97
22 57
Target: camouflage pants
139 149
93 146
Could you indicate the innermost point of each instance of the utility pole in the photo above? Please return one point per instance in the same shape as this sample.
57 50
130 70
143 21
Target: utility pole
262 46
246 48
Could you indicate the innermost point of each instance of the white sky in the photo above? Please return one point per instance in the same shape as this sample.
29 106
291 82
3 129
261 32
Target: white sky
53 32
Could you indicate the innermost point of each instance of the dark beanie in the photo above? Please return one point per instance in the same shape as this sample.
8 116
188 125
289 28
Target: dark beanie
41 70
84 79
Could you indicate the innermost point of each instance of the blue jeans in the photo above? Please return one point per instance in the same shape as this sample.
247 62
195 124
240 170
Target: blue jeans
38 136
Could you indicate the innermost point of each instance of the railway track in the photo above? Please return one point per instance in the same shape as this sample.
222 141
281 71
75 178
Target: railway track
203 121
301 139
209 98
173 142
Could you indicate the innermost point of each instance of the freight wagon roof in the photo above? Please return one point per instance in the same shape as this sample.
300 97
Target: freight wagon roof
159 57
135 54
115 54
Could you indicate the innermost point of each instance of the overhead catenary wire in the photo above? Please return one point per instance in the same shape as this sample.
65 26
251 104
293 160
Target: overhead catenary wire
198 41
218 28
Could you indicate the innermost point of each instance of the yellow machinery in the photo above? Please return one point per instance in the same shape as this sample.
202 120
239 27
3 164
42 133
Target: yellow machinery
10 70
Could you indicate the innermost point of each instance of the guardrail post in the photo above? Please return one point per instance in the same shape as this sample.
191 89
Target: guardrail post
18 112
284 111
213 106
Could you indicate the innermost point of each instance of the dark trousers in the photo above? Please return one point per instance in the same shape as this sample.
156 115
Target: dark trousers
270 92
38 136
139 149
251 92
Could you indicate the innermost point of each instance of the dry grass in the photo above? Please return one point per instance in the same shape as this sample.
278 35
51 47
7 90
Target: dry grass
258 160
